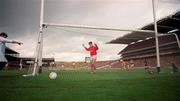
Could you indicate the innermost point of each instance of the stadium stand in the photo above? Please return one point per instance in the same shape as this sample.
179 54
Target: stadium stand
84 65
12 56
141 46
27 61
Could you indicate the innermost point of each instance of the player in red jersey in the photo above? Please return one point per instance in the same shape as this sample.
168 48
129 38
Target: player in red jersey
93 55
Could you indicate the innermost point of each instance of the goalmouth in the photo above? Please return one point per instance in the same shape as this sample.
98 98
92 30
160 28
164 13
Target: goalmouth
42 25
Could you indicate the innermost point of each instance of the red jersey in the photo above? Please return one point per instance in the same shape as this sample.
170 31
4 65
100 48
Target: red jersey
92 50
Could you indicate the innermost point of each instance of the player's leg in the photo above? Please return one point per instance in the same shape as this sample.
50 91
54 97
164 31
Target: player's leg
91 63
92 68
124 66
20 67
6 66
2 65
94 62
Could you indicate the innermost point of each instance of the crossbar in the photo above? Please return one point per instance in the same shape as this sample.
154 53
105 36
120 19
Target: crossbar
95 27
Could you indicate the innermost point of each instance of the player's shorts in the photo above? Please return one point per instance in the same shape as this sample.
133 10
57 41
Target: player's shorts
93 57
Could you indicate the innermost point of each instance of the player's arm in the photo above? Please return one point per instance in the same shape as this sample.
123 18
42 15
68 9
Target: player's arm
85 47
10 41
16 42
96 46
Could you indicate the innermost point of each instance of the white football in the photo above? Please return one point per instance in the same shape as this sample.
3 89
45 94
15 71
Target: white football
53 75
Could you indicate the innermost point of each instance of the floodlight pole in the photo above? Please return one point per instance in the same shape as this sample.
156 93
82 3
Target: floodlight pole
39 48
156 37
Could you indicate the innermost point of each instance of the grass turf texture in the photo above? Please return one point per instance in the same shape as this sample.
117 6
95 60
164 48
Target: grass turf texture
80 85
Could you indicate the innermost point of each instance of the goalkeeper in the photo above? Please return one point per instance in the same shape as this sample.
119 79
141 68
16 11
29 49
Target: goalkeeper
93 55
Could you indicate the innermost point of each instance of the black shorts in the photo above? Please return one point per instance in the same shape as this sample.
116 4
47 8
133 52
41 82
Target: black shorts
2 65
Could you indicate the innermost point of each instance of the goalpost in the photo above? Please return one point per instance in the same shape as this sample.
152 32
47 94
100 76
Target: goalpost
39 47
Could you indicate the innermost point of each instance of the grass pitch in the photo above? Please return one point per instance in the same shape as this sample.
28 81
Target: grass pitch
80 85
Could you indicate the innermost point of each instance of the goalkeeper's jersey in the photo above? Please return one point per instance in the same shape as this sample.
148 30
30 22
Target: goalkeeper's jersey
92 50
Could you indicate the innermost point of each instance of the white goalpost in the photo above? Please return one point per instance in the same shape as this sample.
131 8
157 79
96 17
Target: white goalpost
156 37
39 47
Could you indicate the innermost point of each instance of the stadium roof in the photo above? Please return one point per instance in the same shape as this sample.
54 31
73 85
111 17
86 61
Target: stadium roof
10 51
165 25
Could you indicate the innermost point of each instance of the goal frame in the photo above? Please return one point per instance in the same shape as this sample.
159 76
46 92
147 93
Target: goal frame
42 25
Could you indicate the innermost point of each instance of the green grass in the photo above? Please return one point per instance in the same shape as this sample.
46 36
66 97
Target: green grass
80 85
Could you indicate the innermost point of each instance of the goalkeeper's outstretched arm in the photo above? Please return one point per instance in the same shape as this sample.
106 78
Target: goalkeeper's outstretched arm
85 47
96 46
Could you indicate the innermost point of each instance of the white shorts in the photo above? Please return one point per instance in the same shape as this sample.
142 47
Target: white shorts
94 57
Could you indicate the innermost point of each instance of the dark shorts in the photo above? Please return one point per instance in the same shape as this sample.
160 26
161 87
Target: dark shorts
2 65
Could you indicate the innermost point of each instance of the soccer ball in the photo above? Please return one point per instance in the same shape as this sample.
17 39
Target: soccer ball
150 72
53 75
